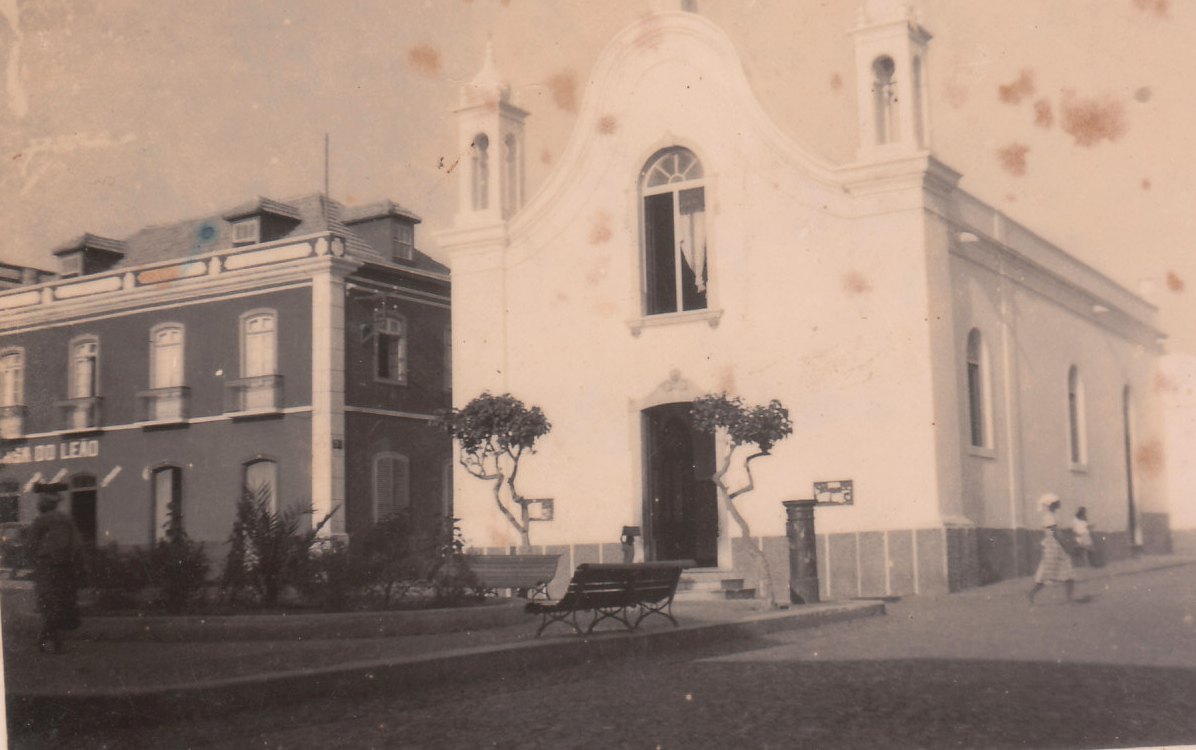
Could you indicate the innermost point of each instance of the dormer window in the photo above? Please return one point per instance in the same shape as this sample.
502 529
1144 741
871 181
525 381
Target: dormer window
385 226
404 243
247 231
89 254
262 220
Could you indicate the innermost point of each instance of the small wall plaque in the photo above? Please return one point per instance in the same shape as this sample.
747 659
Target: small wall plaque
838 492
540 509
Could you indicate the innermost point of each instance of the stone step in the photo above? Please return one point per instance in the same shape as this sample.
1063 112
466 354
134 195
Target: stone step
694 595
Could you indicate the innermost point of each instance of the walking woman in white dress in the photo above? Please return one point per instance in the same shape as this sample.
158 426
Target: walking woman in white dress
1055 564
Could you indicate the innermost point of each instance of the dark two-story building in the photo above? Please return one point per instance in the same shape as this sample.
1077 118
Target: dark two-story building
297 346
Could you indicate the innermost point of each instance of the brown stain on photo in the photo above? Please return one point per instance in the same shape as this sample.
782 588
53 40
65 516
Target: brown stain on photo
1164 384
599 270
1011 197
1145 184
854 282
1023 87
836 82
424 59
1143 94
600 228
1149 457
545 157
1174 282
1012 158
1157 7
1091 120
564 90
1044 116
607 124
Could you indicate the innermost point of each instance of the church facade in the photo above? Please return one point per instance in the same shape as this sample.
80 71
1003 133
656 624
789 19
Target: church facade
943 365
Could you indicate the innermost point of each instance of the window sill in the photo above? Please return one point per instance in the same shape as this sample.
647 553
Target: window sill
390 381
1078 468
248 414
162 424
711 317
980 451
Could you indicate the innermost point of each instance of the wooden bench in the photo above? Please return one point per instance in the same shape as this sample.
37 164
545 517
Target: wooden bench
615 592
527 575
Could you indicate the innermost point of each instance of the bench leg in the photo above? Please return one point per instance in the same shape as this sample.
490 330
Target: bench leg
550 617
664 609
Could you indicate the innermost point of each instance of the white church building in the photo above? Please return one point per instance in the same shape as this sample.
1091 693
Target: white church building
949 363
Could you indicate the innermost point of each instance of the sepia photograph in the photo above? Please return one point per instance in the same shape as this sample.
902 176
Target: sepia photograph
654 374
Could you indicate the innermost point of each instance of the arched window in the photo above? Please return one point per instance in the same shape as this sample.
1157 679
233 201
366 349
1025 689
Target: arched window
675 270
259 478
166 372
884 93
259 350
168 502
12 377
12 393
1075 418
259 362
481 172
85 367
978 391
392 484
390 349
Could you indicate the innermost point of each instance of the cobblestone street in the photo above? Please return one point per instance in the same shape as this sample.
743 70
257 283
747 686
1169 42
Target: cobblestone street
978 669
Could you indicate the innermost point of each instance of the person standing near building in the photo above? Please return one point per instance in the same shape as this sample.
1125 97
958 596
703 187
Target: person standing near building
57 551
1055 564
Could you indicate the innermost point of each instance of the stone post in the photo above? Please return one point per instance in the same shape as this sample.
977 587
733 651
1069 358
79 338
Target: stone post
803 551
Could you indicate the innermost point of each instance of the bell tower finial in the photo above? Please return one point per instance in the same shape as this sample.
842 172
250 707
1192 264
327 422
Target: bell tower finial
490 134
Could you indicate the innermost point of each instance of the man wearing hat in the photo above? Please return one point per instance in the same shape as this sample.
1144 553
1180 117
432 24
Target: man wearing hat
1055 564
57 550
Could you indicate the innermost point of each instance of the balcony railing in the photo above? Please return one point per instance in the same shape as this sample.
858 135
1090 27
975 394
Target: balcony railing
80 413
261 394
12 422
164 404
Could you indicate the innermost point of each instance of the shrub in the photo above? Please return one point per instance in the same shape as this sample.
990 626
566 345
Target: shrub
118 576
179 571
266 550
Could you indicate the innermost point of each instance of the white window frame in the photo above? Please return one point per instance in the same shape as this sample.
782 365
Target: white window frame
976 355
404 241
262 460
480 176
161 510
676 184
12 377
247 231
157 375
74 386
1077 426
245 321
384 325
405 495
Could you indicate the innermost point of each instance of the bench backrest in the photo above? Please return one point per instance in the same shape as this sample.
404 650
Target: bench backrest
620 585
513 571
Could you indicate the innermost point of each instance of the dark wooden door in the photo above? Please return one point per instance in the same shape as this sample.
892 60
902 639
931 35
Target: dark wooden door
682 505
83 507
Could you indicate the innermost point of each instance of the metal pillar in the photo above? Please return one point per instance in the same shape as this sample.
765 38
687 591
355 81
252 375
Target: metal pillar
803 551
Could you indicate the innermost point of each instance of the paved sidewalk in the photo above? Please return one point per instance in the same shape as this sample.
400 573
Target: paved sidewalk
163 679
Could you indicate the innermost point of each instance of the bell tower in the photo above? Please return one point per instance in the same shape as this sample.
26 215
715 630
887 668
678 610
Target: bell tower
491 148
891 85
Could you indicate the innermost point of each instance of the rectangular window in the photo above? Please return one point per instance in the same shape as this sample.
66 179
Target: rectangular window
12 379
390 350
10 508
247 232
661 248
404 243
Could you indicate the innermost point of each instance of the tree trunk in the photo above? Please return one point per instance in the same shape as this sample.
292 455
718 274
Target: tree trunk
763 569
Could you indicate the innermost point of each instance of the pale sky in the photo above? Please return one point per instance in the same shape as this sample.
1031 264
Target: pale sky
116 114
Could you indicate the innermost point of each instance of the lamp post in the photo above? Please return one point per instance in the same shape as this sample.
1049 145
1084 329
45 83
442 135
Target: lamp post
803 551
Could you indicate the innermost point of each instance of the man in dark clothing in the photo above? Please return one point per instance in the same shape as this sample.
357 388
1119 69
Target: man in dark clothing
57 551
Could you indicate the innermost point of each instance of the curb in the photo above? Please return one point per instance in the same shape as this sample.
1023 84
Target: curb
34 710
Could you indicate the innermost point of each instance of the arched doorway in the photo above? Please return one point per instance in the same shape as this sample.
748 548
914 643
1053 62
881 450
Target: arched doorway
83 506
680 502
